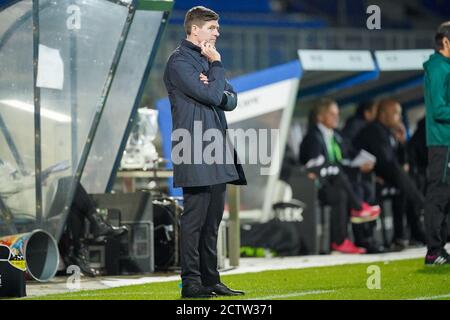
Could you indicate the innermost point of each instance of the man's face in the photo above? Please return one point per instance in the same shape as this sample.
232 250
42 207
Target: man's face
209 32
394 115
330 117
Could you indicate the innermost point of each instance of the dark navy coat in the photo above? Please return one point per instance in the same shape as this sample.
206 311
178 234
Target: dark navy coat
191 100
314 145
389 153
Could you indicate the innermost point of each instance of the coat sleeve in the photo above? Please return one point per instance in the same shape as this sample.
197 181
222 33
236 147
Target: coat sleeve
441 109
229 98
185 77
382 149
310 148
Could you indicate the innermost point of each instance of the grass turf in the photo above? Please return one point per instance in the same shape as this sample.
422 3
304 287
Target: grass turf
407 279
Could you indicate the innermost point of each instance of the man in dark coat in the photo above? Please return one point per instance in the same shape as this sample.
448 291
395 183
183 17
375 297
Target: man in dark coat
199 94
378 138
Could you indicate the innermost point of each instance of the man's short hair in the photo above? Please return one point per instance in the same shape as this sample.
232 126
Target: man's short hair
320 107
442 32
199 16
384 105
365 106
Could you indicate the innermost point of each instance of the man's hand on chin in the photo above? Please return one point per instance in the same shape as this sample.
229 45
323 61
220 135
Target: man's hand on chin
209 51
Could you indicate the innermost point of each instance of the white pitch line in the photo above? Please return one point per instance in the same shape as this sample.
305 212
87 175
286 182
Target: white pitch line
433 297
295 294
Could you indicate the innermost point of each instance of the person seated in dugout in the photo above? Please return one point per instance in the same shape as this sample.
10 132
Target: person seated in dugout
363 183
324 141
386 138
365 113
71 244
418 155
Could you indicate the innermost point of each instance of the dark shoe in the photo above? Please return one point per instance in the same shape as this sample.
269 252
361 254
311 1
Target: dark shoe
375 249
100 227
222 290
437 259
398 245
79 258
416 243
196 291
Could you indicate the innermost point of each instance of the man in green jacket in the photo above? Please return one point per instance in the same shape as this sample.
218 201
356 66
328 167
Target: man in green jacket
437 101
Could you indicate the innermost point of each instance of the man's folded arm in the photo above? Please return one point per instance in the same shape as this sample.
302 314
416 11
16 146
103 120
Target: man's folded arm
187 79
229 98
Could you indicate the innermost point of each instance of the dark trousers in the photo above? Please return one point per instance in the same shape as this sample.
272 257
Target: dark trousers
410 201
400 206
437 199
364 187
199 224
397 177
338 193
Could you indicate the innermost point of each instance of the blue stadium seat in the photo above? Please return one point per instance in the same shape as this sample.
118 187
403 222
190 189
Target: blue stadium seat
441 8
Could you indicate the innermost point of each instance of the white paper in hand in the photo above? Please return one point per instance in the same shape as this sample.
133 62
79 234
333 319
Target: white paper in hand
362 158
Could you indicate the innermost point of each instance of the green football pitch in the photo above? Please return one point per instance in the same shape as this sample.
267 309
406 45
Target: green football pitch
406 279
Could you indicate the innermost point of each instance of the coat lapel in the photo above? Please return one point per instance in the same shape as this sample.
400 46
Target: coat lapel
323 145
200 64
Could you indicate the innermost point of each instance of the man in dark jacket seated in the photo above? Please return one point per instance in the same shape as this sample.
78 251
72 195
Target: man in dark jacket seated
322 140
366 112
418 155
379 139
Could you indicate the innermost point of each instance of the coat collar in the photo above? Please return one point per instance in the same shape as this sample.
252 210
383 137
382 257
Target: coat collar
385 129
190 45
316 131
195 52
